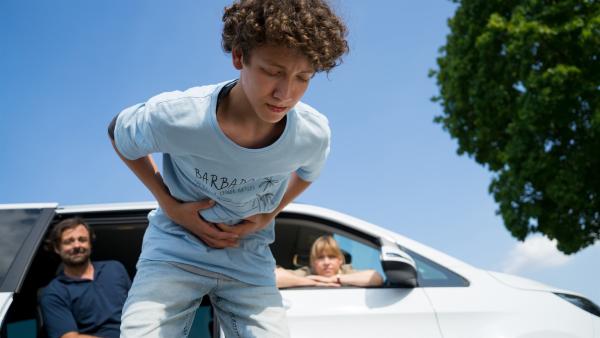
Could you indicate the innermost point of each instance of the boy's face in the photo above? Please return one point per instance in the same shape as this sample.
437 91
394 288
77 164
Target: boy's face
273 80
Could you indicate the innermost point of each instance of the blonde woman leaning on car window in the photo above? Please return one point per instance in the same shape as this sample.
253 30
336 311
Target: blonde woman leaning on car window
327 268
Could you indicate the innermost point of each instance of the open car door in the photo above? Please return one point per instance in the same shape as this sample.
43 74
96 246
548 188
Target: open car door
22 227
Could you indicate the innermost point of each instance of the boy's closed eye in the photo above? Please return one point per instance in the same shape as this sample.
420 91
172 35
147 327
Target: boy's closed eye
271 72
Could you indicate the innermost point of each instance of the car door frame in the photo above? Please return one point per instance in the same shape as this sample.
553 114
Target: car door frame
376 240
15 274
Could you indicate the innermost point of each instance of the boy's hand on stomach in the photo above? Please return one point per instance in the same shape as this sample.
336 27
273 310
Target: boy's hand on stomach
248 225
187 215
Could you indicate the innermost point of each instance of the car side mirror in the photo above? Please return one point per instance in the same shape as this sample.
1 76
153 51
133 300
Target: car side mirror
400 269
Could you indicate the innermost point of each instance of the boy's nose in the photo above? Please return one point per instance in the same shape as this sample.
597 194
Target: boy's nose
283 90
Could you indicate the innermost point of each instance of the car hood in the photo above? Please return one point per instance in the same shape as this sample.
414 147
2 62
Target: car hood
524 283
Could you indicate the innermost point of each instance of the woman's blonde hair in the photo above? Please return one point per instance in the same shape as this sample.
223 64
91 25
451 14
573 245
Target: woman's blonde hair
326 245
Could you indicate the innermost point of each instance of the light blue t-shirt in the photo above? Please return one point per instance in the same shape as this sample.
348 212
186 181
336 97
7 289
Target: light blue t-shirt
200 161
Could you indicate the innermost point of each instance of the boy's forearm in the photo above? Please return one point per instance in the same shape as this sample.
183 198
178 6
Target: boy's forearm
147 172
294 189
257 222
184 214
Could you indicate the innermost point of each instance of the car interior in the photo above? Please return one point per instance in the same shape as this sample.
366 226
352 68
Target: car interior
119 237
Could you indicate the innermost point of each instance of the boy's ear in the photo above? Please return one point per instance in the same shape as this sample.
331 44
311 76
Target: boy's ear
237 58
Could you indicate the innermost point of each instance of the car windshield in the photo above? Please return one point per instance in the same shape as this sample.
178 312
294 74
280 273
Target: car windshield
15 226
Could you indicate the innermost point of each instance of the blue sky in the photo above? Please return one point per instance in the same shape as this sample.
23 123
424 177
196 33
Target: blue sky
67 67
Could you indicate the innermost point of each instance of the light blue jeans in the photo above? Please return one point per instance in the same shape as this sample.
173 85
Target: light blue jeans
164 297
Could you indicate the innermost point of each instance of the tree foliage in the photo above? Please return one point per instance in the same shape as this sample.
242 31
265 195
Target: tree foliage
519 85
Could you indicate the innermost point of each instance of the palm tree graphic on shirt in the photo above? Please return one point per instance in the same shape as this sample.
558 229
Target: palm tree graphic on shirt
267 183
264 200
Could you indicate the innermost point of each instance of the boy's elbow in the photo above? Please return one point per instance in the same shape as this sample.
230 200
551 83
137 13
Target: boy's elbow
111 128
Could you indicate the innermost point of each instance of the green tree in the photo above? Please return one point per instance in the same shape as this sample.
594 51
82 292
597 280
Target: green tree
519 85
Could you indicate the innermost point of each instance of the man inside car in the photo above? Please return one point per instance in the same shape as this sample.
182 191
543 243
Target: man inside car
86 298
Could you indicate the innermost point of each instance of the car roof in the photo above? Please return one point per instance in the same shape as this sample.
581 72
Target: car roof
28 206
69 209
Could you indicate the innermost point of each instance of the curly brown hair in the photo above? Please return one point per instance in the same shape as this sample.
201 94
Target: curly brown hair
309 26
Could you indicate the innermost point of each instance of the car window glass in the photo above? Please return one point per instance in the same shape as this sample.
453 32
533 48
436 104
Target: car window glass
15 226
431 274
363 257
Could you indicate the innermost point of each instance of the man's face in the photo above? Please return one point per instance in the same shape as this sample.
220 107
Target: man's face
75 247
273 80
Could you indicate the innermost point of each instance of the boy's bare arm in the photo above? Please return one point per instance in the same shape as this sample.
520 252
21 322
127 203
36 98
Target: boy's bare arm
254 223
294 189
184 214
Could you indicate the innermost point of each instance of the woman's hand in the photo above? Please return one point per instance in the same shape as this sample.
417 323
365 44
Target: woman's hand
324 281
187 214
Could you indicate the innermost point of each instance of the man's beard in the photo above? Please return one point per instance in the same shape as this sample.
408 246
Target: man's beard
70 259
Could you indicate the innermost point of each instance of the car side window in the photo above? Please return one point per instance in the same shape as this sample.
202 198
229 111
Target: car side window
295 237
363 257
16 226
431 274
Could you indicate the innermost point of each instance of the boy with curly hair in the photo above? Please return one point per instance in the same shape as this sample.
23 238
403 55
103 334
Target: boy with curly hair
234 155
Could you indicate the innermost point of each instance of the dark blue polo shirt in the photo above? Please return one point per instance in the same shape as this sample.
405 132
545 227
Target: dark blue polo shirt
86 306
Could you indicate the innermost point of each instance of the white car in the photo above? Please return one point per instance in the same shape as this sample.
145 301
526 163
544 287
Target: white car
427 294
